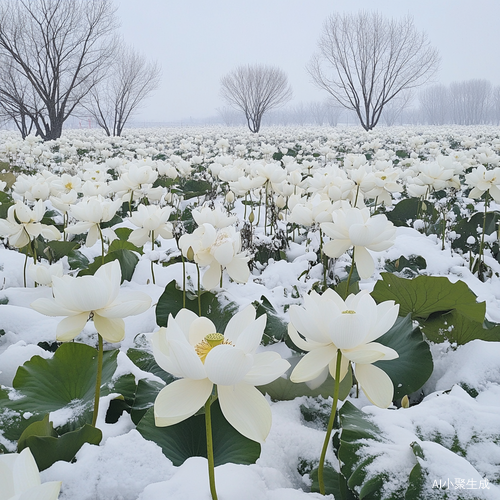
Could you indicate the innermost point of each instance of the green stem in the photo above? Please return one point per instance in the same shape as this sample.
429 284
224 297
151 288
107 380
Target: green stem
322 257
329 429
481 246
199 289
265 213
210 449
102 243
98 380
350 275
24 269
183 281
152 249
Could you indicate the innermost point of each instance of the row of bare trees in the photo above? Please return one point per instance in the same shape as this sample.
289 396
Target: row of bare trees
59 58
366 63
469 102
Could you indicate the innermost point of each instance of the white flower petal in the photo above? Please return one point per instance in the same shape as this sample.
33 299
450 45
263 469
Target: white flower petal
246 409
227 365
364 262
376 385
70 327
238 269
126 304
224 253
180 400
239 322
46 491
251 336
50 307
313 363
25 472
111 329
199 329
369 353
211 277
184 360
184 318
267 366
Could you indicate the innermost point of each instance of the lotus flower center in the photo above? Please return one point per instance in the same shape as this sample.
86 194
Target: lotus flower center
221 238
348 311
68 185
208 343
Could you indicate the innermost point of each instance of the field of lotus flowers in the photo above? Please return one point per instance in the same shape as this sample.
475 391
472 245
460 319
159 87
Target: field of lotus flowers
210 313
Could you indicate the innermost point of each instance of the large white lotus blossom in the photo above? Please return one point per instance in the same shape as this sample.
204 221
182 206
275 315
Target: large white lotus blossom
95 297
217 249
310 212
482 179
152 222
190 348
90 213
20 479
353 227
23 224
215 216
329 323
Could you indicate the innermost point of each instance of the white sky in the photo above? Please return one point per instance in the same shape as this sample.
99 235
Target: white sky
196 42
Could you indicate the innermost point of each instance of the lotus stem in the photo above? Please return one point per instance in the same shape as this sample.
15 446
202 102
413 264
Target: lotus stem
152 249
199 288
481 246
102 244
322 257
210 449
350 275
329 429
183 281
100 352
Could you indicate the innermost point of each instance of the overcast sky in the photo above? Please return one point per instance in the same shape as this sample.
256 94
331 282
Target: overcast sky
196 42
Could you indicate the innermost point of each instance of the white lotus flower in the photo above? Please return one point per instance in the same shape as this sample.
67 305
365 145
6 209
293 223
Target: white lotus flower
20 479
190 348
312 211
214 216
95 297
43 273
23 224
217 248
482 179
152 222
328 323
91 212
353 227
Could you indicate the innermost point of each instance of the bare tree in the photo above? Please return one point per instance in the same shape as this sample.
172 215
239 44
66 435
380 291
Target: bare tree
18 100
435 104
114 100
255 90
372 60
61 48
470 101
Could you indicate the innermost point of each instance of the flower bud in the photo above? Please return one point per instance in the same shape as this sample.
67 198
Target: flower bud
280 201
190 253
405 402
251 217
230 197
